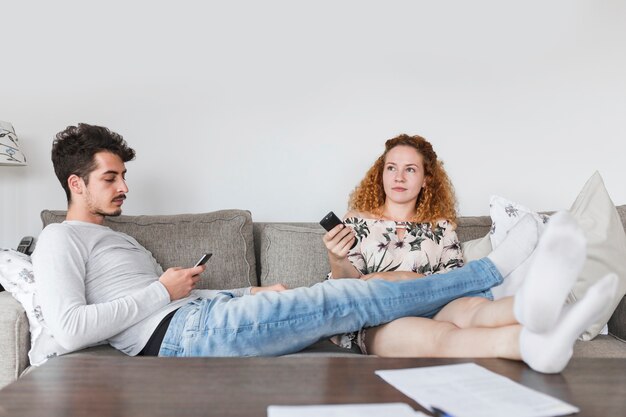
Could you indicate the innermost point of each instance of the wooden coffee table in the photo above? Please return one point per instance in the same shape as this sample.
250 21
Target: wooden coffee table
123 386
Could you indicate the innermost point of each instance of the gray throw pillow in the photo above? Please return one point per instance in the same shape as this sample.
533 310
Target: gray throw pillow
292 255
180 240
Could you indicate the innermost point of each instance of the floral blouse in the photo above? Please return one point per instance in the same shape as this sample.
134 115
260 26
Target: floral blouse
423 249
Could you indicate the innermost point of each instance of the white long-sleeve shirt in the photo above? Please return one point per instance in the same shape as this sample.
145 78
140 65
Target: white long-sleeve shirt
97 285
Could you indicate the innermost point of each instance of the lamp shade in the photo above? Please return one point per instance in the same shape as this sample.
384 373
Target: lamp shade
10 153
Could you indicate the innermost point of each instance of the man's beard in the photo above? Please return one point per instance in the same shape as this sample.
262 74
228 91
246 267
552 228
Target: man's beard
99 211
116 213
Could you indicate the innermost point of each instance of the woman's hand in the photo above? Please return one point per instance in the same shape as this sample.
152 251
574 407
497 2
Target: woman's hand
275 287
393 276
338 241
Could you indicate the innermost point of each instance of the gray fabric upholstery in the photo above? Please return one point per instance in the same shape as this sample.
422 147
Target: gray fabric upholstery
472 227
292 255
617 323
14 339
179 240
600 347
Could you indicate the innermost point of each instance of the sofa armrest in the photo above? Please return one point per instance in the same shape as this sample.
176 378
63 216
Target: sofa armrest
617 322
14 339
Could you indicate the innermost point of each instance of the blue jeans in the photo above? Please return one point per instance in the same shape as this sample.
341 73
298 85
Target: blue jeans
277 323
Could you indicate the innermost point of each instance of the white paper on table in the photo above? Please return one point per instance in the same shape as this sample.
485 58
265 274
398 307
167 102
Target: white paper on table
469 390
344 410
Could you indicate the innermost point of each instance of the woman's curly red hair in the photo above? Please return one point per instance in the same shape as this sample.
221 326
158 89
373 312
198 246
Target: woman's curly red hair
436 200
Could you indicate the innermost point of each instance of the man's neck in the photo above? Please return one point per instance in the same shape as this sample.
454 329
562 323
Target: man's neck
75 213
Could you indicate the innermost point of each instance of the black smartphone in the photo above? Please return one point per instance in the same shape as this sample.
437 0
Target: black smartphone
330 221
203 259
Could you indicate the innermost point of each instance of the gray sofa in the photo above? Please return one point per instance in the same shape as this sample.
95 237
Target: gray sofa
244 253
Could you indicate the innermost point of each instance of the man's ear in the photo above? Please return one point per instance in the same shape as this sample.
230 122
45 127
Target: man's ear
75 183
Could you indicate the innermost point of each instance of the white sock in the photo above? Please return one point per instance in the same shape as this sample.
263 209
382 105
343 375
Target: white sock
518 244
551 351
557 261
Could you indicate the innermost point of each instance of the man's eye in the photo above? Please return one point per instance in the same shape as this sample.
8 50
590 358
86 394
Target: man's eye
109 179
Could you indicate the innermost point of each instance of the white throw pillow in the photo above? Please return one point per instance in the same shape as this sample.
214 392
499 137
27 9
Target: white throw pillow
606 246
16 276
504 215
597 216
476 248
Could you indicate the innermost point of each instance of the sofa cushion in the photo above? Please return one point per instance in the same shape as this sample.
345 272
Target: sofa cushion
476 248
606 246
602 346
16 275
292 255
179 240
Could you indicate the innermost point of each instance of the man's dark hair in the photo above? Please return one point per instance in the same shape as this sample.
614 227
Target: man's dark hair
74 149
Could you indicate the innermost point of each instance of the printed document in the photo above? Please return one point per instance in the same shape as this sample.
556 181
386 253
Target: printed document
469 390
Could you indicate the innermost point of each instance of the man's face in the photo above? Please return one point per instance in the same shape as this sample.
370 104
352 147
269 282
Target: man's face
106 191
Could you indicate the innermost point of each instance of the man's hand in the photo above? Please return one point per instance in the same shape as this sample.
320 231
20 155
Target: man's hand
180 281
275 287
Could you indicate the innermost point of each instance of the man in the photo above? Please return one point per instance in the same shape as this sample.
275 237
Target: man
99 285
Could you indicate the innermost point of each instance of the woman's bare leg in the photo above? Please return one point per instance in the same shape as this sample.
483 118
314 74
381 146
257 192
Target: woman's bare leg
469 312
421 337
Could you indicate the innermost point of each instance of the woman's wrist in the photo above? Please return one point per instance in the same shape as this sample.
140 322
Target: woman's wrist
344 270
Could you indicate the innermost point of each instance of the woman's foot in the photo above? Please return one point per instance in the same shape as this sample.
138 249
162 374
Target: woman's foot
558 260
550 352
518 244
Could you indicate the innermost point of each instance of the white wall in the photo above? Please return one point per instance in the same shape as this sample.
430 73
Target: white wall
280 106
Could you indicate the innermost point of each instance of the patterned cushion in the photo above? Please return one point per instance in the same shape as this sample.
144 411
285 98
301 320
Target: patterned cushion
16 276
180 240
504 215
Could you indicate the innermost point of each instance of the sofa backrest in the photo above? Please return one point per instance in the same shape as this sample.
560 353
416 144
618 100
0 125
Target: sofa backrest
179 240
293 253
246 253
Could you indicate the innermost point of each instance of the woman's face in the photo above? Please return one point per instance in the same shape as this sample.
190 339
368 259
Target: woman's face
403 174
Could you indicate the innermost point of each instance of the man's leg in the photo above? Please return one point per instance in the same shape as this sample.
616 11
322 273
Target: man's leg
269 323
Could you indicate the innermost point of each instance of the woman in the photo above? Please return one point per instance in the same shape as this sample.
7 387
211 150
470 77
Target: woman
402 216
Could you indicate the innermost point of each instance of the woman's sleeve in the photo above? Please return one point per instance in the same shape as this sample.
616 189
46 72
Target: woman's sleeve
451 253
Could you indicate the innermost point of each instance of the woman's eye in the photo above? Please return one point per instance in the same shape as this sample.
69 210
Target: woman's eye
411 170
390 168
